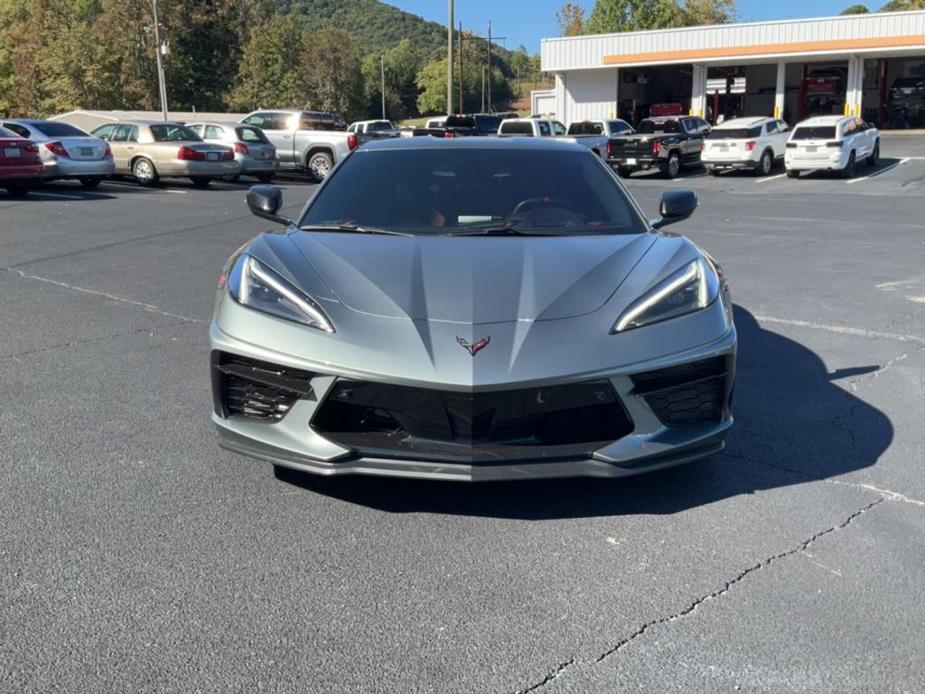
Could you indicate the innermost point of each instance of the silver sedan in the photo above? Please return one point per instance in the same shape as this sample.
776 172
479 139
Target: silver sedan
66 151
252 149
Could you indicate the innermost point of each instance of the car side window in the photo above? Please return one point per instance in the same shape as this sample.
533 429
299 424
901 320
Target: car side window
213 133
703 126
544 128
849 129
771 127
558 128
18 129
121 134
132 135
256 119
782 127
104 131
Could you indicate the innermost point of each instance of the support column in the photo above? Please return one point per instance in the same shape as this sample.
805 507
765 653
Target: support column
780 91
854 94
562 108
699 91
616 94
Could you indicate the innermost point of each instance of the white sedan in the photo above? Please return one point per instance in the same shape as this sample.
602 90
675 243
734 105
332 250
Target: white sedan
832 143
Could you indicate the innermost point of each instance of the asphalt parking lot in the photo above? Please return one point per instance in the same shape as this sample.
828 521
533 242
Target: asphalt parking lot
135 555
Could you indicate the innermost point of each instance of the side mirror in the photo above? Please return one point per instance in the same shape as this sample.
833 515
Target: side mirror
265 201
675 206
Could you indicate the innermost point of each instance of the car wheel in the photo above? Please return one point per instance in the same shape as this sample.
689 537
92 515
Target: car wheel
265 177
320 165
851 169
713 172
766 164
201 181
793 174
231 178
673 167
90 183
623 173
18 190
874 157
144 172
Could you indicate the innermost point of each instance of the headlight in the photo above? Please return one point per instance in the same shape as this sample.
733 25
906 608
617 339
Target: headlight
254 285
693 287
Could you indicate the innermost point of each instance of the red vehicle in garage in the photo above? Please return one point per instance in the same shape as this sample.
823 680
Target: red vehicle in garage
20 164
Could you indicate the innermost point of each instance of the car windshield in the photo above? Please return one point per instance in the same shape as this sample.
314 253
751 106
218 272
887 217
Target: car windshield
655 127
487 191
734 133
586 129
814 132
171 132
59 130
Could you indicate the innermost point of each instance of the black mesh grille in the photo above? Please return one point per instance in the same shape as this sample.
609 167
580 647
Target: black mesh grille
558 422
687 394
256 389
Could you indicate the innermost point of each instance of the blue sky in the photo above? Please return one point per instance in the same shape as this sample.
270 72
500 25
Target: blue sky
527 21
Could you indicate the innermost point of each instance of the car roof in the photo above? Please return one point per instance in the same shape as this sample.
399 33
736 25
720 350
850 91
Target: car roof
742 122
484 143
220 124
823 120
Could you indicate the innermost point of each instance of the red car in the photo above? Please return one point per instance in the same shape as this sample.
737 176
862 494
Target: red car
20 164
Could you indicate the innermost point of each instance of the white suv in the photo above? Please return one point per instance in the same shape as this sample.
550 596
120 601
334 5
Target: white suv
745 143
832 143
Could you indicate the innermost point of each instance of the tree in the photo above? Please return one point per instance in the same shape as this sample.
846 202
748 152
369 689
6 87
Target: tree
856 9
267 75
903 5
332 72
636 15
571 20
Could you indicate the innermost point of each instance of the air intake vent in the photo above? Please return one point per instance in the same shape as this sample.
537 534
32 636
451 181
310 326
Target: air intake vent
256 389
692 393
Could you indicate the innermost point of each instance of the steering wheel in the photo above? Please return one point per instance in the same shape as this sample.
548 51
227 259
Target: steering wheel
536 203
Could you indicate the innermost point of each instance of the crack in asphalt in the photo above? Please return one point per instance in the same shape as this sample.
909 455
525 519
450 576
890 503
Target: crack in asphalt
696 604
91 340
853 383
151 308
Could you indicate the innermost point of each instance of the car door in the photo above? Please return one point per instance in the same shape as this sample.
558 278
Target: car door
122 148
865 136
779 138
692 139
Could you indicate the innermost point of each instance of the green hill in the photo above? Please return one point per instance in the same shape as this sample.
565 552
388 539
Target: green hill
376 26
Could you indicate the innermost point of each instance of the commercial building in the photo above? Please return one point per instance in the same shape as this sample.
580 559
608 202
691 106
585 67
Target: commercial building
869 65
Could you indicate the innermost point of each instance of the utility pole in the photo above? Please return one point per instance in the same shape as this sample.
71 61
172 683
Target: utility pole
462 103
449 63
489 66
162 84
483 89
382 65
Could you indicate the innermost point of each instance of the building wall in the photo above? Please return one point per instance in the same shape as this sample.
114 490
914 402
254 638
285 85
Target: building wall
590 95
587 52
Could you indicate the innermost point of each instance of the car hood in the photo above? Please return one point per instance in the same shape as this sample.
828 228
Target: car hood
470 279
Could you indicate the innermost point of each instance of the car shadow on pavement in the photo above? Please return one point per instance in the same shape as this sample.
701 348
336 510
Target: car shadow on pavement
883 165
793 424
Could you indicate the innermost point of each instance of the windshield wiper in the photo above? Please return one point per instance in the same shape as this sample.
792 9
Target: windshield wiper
354 228
499 231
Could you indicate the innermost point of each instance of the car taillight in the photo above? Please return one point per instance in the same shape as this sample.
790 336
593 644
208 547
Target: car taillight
792 145
703 146
750 145
609 148
108 151
352 142
30 147
57 149
656 147
228 155
241 148
837 145
189 154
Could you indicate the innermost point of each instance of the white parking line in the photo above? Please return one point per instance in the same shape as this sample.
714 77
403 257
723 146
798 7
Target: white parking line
770 178
175 192
843 329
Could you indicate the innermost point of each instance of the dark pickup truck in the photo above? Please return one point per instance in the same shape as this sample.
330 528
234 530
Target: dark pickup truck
666 144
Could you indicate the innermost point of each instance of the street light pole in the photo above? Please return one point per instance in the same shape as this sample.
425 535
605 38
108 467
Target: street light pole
462 103
489 66
162 84
449 63
383 85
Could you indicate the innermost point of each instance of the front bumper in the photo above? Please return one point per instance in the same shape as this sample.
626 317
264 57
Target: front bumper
294 441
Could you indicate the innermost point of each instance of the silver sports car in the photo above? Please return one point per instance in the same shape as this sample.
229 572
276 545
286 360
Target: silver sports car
472 309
